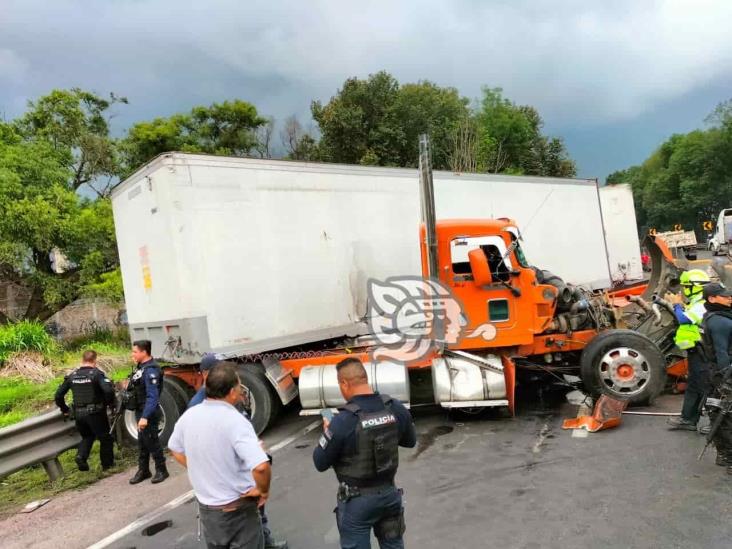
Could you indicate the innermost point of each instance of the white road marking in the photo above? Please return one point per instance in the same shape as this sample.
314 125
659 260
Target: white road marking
184 498
119 534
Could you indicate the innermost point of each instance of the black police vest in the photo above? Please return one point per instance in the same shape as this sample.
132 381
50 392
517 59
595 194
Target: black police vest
707 345
84 388
138 386
377 446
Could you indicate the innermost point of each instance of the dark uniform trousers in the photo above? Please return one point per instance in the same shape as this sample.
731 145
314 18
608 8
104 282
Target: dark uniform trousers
697 387
357 516
91 427
239 528
148 443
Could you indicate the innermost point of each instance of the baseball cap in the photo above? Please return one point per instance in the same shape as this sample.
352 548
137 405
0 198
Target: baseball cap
208 361
715 289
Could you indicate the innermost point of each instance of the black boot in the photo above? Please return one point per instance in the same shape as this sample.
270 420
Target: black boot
161 473
141 475
81 464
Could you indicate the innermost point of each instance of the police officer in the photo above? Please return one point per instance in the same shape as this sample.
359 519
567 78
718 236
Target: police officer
92 392
361 444
146 385
688 336
717 327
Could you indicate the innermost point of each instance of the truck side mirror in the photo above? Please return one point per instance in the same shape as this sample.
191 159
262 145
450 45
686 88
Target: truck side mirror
479 267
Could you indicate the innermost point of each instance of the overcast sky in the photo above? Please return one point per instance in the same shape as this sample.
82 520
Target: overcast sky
613 78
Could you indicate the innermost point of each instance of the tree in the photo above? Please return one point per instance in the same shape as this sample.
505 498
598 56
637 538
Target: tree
355 126
228 128
76 125
509 139
42 219
377 121
264 138
298 143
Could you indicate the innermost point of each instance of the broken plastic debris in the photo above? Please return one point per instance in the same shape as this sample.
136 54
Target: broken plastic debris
33 505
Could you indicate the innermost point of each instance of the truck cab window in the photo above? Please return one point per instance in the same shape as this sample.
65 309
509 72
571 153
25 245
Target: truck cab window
494 248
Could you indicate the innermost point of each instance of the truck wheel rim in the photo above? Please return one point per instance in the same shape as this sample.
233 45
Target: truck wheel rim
131 422
624 371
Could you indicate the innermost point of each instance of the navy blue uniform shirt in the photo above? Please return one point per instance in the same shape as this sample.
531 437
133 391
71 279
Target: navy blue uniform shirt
152 377
719 328
340 437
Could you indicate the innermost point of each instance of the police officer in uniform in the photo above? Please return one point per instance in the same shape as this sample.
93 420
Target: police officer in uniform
144 388
92 392
717 327
688 336
361 445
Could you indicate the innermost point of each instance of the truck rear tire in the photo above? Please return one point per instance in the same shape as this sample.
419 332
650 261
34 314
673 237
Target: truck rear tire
170 407
265 404
623 364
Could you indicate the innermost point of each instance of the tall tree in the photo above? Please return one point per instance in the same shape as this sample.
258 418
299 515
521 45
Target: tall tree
356 126
76 125
509 139
228 128
53 242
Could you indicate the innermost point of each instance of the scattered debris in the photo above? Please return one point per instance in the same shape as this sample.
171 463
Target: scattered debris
33 505
607 414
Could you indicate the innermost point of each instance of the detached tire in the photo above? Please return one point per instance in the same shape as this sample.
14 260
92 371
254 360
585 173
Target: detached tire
171 407
623 364
265 404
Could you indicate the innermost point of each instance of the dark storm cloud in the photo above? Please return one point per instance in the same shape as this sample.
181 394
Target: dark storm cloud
584 65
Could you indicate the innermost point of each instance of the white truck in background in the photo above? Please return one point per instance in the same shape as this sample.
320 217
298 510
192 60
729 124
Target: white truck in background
722 237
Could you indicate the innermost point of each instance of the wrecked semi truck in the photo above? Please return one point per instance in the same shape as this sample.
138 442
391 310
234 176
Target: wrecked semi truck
288 267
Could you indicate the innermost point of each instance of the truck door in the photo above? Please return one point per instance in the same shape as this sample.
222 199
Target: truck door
493 304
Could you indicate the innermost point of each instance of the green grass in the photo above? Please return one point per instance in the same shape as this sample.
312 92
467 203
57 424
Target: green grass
20 398
23 336
32 483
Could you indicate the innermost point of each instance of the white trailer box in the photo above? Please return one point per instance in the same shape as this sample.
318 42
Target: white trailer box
241 256
621 232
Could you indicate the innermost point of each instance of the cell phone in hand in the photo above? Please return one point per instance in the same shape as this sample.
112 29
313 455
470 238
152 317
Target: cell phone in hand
327 413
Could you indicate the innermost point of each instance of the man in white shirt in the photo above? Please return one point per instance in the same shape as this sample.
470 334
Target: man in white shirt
229 471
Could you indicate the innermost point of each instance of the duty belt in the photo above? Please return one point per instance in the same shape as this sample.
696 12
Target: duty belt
347 492
89 408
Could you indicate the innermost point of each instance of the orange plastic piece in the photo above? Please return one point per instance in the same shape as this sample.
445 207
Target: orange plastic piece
607 414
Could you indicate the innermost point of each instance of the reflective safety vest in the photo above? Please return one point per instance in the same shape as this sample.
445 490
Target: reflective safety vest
688 335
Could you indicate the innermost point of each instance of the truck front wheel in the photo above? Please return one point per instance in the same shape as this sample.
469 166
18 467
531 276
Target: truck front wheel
623 364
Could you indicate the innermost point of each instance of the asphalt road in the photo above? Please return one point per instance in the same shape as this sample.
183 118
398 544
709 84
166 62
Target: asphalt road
514 483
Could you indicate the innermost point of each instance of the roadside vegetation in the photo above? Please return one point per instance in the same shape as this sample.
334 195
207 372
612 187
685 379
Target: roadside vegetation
32 365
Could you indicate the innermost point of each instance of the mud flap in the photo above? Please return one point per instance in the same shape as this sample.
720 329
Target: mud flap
606 415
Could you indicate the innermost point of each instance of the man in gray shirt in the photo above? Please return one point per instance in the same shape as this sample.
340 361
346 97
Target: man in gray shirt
229 471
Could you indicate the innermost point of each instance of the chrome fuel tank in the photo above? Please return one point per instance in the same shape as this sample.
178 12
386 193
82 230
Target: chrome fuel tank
319 384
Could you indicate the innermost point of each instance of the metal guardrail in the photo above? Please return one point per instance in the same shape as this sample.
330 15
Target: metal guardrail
39 439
